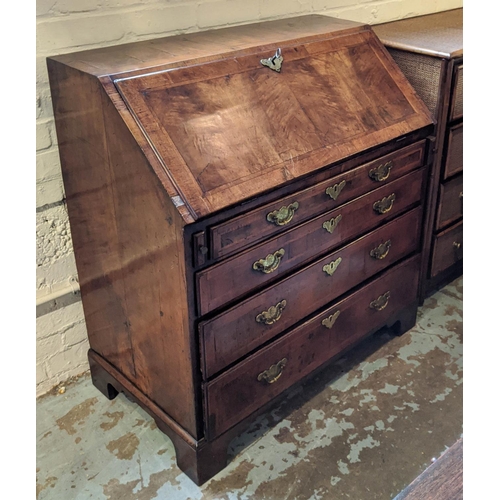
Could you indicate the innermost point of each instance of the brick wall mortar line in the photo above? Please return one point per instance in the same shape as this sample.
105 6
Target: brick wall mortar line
110 11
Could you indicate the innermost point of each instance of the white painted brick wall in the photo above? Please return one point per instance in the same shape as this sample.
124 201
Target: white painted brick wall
61 346
71 25
55 260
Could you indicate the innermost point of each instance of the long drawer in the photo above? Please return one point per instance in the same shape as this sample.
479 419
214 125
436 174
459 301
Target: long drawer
252 383
236 276
273 218
450 207
447 249
249 324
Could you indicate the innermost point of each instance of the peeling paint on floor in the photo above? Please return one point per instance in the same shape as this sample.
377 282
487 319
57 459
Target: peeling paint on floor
362 429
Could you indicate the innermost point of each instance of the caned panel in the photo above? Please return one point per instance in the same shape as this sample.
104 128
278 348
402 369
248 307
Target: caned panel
424 74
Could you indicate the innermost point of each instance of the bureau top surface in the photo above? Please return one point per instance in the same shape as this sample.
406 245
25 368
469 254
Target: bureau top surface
179 49
227 127
439 35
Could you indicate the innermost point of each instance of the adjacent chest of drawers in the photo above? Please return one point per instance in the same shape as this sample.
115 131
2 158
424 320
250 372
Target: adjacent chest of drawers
245 205
429 51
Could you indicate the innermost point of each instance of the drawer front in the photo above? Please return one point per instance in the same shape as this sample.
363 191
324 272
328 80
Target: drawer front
252 383
454 152
457 98
448 249
236 276
450 207
273 218
246 326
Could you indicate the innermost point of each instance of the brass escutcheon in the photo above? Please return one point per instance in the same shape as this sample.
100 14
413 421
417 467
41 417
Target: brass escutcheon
334 191
284 215
381 251
331 224
272 315
270 263
381 302
385 204
330 321
332 267
381 173
273 373
273 62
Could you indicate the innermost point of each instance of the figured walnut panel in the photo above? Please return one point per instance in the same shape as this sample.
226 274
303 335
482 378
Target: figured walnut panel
232 129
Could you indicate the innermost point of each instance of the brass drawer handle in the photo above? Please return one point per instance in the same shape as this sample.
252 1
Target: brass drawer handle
273 373
330 321
334 191
457 245
331 224
272 315
284 215
381 251
385 204
270 263
381 173
332 267
381 302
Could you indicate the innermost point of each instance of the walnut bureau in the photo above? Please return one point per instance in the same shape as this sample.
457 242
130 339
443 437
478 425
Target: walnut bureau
245 205
429 51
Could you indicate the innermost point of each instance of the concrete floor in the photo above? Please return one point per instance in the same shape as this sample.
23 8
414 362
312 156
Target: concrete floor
363 429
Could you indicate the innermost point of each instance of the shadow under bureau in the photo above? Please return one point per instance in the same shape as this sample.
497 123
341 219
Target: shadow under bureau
245 205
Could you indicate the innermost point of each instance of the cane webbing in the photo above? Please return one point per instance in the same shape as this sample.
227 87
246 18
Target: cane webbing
423 73
458 100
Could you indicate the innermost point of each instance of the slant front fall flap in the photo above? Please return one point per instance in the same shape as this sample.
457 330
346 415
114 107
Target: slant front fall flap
231 129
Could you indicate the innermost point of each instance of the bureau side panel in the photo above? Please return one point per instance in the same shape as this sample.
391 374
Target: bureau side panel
128 238
82 145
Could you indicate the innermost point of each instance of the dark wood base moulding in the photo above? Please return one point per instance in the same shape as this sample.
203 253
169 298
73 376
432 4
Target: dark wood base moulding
201 460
